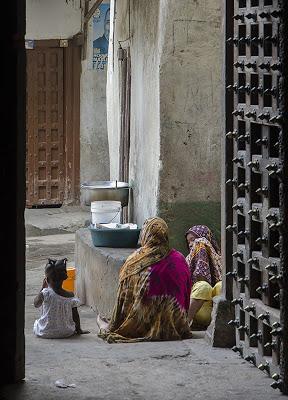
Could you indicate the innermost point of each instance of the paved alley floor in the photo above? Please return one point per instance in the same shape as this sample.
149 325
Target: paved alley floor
51 221
181 370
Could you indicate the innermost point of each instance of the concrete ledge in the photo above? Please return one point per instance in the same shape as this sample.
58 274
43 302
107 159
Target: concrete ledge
54 221
97 272
219 333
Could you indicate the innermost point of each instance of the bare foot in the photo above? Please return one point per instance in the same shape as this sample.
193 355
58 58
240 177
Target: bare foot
102 322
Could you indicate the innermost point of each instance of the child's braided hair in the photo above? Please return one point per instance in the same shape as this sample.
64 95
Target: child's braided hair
56 269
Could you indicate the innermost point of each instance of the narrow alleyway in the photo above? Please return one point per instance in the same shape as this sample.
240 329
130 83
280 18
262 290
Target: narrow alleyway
167 370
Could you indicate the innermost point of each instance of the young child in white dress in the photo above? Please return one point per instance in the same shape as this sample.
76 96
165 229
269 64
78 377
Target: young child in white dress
59 317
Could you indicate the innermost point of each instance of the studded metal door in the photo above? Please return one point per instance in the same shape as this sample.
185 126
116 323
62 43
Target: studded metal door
45 125
256 184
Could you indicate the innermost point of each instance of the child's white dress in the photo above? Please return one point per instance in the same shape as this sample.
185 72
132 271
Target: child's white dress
56 319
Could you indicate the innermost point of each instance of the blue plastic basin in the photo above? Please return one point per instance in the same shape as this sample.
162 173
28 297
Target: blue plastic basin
125 238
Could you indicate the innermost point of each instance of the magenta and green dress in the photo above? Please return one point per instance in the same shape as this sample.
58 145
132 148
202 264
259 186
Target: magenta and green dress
154 292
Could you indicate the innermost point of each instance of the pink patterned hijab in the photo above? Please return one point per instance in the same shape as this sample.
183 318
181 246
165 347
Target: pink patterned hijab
204 258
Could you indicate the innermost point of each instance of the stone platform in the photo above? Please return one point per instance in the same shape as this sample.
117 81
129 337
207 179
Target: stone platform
97 272
54 221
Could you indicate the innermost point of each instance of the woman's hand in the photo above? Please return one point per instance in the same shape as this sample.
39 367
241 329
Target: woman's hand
102 322
39 298
195 306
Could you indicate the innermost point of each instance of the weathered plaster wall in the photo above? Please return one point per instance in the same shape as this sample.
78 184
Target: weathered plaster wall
94 151
145 115
56 19
190 112
52 19
175 112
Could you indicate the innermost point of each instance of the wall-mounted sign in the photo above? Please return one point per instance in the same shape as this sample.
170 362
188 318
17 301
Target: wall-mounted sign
101 29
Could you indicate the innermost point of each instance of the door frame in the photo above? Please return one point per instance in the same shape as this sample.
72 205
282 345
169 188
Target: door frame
71 114
125 115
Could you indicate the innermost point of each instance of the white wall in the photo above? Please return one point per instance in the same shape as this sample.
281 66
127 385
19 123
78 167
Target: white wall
94 150
112 89
52 19
145 115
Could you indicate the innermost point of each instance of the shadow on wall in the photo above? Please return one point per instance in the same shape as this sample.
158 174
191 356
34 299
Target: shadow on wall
181 216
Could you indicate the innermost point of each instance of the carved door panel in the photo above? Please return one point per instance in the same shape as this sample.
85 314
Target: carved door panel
45 127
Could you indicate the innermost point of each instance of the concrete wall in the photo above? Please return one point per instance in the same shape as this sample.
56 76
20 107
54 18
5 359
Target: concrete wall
190 112
176 110
145 115
97 272
94 151
55 19
52 19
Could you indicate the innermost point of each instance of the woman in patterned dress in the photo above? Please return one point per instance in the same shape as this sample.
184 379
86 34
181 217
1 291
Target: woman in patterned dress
204 261
153 294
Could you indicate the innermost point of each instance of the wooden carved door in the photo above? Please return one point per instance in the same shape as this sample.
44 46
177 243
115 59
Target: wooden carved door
45 127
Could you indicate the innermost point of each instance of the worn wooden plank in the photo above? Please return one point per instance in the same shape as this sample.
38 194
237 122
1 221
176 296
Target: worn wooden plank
85 30
72 67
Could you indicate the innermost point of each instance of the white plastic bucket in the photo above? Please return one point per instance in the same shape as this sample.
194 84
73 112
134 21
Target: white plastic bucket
105 212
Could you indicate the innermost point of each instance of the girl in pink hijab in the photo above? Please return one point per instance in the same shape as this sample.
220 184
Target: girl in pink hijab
204 261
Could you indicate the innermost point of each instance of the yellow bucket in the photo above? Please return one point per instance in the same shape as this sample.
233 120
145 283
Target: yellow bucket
69 283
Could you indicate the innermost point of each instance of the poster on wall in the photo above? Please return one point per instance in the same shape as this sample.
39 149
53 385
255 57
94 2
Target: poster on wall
101 29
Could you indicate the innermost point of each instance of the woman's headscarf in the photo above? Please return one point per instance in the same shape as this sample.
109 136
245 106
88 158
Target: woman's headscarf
154 247
204 258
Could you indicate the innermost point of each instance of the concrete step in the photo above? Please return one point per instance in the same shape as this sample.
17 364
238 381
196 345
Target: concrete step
97 272
53 221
